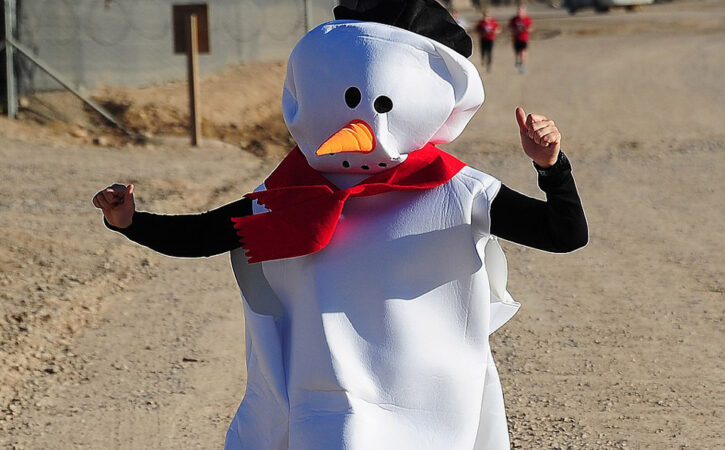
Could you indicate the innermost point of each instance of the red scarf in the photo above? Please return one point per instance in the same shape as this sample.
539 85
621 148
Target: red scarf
305 207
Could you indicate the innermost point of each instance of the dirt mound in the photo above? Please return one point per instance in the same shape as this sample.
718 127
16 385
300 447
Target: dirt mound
240 106
264 136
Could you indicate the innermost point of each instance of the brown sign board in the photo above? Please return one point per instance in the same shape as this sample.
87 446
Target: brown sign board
181 15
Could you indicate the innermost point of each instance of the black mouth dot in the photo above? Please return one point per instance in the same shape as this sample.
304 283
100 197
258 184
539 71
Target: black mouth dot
383 165
365 167
345 164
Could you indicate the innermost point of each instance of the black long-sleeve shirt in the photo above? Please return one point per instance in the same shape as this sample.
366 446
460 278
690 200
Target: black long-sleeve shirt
556 225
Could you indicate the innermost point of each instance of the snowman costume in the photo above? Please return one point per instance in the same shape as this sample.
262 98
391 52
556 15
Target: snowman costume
380 339
370 276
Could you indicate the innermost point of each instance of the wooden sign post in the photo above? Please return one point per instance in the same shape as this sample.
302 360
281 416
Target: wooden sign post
191 36
192 59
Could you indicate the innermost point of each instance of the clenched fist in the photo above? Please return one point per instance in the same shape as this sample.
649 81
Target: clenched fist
540 138
117 204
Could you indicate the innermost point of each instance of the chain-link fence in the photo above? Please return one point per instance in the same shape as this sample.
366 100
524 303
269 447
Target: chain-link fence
129 42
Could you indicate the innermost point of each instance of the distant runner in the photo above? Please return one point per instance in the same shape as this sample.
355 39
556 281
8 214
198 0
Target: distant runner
520 25
487 30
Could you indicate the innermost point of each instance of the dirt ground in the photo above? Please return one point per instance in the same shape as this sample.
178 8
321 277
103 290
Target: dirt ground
107 345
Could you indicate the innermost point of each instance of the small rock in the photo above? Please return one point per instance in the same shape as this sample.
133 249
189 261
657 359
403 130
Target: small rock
101 141
78 132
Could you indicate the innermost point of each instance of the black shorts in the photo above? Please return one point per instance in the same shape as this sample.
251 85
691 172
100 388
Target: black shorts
520 45
486 45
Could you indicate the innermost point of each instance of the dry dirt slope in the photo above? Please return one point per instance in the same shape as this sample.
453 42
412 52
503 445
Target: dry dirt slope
106 345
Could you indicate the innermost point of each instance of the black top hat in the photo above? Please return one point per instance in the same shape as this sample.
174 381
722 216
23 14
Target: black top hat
425 17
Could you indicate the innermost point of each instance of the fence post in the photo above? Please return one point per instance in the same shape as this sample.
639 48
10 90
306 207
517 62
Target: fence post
11 95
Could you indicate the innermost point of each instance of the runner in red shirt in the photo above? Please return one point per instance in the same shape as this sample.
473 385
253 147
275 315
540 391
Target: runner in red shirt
487 30
520 25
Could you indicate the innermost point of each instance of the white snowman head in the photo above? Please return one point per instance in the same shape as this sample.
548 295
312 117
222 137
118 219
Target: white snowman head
359 96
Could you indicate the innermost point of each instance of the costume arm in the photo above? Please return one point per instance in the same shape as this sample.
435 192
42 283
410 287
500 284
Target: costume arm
555 225
190 235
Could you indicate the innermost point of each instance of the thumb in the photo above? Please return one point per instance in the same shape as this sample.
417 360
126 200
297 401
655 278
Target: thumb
129 193
521 119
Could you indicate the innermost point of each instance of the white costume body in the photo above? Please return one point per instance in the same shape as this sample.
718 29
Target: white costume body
380 340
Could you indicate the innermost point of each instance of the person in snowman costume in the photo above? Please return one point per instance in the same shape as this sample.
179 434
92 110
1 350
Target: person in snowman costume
368 261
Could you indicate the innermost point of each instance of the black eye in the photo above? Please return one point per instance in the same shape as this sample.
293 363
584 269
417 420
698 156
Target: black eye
383 104
353 97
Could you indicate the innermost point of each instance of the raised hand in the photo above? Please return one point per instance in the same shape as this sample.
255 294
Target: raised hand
117 204
540 138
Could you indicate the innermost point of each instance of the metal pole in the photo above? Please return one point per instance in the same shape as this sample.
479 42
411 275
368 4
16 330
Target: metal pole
192 56
12 44
11 94
308 19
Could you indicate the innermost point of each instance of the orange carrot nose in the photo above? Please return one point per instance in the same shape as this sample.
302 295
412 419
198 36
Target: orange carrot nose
356 136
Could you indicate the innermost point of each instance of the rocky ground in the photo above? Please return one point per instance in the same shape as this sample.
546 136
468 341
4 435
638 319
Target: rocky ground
107 345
